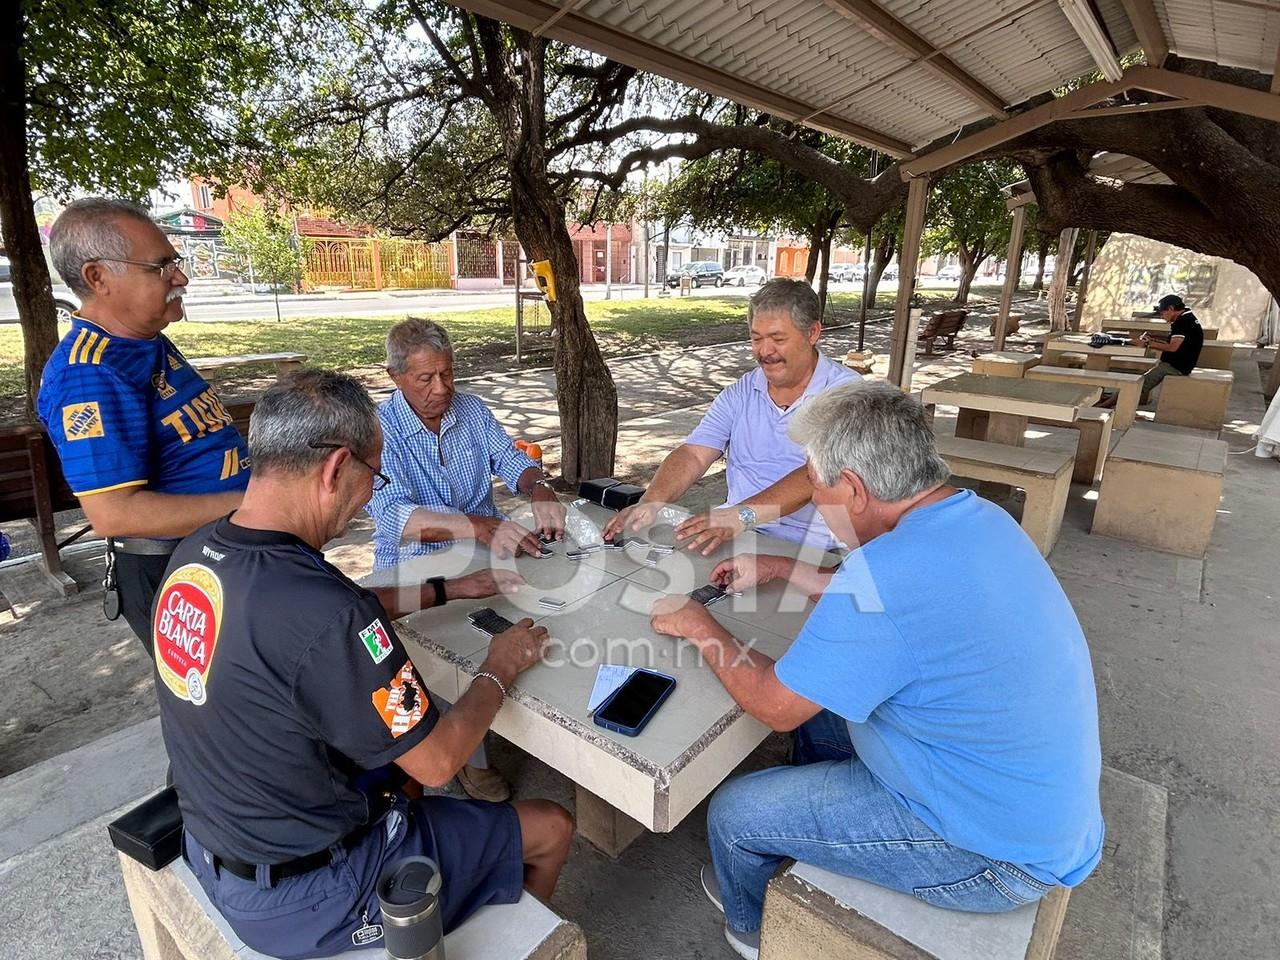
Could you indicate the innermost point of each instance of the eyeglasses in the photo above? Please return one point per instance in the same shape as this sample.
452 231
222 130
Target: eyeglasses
166 267
380 479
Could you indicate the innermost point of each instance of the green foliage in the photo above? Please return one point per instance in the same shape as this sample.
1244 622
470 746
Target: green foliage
263 235
967 212
126 96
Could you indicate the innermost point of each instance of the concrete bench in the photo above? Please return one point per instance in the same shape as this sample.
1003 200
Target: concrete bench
1005 363
1094 427
1073 359
1128 387
176 921
1218 354
1138 365
1197 400
285 363
1161 489
1045 476
1115 915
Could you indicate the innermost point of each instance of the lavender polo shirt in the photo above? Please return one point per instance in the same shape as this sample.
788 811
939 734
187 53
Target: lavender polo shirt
751 430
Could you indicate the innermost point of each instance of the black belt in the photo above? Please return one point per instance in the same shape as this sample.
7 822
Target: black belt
379 805
144 547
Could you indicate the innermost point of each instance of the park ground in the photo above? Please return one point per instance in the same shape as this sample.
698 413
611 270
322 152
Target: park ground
1184 656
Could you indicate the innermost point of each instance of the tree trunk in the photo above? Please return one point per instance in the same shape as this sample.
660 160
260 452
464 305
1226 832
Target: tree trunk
31 288
585 393
968 268
816 234
826 273
1058 288
881 254
1042 252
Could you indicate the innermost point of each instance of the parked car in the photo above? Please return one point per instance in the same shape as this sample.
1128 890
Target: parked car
745 275
951 273
890 272
63 299
4 270
699 272
842 272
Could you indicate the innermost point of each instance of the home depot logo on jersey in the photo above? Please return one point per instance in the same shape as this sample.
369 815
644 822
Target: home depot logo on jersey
185 630
82 421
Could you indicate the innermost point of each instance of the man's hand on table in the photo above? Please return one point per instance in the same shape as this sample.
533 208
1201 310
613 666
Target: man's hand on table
483 583
505 538
515 650
635 517
680 616
548 512
709 530
748 570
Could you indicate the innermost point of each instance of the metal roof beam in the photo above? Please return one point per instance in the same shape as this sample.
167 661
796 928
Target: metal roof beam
1190 92
1093 35
1142 15
573 27
893 33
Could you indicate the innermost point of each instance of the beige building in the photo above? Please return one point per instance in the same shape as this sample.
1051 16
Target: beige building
1131 273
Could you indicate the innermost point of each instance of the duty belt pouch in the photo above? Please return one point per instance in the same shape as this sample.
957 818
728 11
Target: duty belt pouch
151 832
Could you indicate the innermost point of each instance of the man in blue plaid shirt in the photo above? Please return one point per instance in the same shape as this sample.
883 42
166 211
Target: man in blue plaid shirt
442 450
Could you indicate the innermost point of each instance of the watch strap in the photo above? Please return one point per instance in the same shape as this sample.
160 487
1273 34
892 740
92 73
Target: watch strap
438 584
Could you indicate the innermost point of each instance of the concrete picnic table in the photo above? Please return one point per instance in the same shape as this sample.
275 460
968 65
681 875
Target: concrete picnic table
1096 358
1119 325
624 784
1008 402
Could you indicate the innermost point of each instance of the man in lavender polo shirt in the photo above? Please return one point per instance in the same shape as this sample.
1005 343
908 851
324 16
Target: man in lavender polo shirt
747 424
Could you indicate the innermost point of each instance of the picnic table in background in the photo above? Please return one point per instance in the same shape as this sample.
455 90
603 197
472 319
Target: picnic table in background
1096 358
285 363
1006 403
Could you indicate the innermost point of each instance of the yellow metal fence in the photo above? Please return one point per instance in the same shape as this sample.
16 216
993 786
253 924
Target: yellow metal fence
376 263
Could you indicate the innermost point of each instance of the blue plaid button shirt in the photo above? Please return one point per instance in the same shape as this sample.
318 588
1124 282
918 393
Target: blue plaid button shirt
451 473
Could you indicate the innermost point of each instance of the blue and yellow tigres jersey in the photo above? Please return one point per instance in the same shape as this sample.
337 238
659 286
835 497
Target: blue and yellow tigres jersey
127 413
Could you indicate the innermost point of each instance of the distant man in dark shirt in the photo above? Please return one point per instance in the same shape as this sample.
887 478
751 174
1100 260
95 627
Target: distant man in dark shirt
1182 351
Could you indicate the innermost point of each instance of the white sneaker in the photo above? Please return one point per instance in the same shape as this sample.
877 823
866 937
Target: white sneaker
711 886
745 945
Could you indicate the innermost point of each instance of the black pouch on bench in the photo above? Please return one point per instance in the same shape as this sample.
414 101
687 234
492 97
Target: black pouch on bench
151 832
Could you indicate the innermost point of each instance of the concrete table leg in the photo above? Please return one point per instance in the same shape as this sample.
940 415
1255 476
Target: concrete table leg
1097 361
1007 428
607 829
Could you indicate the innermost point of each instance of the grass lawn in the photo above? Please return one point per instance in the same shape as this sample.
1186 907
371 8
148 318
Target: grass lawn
484 339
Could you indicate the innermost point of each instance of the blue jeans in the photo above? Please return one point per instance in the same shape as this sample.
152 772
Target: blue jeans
828 810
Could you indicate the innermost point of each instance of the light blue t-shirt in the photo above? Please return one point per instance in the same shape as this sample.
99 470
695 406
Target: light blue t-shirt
970 694
750 429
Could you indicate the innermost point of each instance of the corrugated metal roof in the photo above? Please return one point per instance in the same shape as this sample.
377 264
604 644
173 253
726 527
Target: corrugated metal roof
837 74
1221 31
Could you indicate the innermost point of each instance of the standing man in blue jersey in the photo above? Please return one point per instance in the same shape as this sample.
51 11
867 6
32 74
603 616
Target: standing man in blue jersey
144 442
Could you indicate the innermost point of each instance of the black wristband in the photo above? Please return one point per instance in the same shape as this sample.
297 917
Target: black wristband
438 583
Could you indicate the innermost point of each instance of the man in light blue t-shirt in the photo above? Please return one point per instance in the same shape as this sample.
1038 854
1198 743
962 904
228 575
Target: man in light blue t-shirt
747 425
941 691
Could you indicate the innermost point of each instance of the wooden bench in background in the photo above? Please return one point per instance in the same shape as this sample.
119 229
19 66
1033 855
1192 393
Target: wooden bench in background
1198 400
33 488
1045 475
1161 488
946 323
285 363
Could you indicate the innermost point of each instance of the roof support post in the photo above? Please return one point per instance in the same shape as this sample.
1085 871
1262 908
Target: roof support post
902 351
1090 250
1142 14
1012 269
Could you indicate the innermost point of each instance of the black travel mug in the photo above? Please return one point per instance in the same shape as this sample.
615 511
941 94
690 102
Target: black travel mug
409 892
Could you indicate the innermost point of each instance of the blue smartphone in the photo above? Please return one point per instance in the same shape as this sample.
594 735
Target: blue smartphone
631 706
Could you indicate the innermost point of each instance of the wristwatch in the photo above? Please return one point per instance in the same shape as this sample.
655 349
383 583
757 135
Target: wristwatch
748 517
437 584
541 483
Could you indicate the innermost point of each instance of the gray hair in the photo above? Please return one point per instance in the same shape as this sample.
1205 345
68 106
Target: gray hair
311 406
795 297
875 430
412 335
89 229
